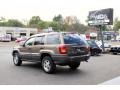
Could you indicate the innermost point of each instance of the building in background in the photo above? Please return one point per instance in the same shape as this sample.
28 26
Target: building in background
18 31
109 35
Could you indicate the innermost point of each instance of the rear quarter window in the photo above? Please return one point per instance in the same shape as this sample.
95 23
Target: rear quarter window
53 39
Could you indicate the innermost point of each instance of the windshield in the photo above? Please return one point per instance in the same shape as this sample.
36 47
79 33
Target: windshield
71 38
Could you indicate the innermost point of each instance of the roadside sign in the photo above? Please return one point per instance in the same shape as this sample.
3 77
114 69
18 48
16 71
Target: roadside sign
101 17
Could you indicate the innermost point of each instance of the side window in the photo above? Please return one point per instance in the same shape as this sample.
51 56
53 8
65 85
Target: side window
53 39
39 40
29 42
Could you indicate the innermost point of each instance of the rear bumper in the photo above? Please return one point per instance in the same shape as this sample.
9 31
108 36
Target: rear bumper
64 59
116 51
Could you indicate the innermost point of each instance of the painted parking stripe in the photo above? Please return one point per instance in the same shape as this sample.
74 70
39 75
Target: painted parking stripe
115 81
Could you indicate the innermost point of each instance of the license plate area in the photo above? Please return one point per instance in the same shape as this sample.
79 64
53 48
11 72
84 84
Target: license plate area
77 51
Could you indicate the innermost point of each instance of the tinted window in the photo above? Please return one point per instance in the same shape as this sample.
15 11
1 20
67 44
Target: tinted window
92 43
30 42
73 39
39 40
53 39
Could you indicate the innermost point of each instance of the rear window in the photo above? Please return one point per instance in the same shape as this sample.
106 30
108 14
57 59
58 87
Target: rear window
70 38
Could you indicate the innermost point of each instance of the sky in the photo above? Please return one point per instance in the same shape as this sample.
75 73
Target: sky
47 9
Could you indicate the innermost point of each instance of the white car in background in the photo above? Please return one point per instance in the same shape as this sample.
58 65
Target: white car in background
5 37
107 45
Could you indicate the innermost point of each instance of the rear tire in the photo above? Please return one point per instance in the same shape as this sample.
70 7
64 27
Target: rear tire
48 65
74 65
16 59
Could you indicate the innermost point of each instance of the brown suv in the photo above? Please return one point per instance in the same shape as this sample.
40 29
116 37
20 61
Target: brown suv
51 49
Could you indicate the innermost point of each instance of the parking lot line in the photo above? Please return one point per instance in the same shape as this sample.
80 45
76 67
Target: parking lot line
115 81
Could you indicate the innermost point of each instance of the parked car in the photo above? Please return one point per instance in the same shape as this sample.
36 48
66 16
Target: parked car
20 39
94 48
51 49
5 37
115 49
106 45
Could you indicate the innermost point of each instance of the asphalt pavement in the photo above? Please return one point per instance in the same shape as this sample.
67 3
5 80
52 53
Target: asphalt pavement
98 70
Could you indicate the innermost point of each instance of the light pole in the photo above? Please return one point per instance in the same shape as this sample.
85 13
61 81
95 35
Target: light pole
101 34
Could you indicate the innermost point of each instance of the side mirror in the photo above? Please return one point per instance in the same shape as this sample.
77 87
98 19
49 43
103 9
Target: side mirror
22 43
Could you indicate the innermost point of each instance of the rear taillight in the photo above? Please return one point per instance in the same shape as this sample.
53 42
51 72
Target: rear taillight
62 49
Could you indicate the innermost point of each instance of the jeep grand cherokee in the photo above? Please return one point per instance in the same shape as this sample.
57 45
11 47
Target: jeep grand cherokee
51 49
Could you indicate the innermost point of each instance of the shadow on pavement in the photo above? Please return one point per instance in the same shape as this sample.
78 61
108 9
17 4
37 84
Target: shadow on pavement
60 70
101 55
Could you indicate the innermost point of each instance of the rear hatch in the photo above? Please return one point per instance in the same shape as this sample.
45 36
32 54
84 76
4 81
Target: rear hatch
75 44
75 50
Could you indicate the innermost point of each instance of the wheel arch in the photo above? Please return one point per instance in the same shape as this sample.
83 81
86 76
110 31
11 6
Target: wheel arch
15 51
44 54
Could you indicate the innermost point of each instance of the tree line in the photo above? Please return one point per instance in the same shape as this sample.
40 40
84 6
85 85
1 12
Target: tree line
58 23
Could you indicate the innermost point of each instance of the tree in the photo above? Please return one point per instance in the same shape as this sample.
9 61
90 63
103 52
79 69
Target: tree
116 24
34 21
77 27
58 22
71 20
54 25
71 23
11 23
58 18
2 19
3 24
14 23
104 28
42 25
